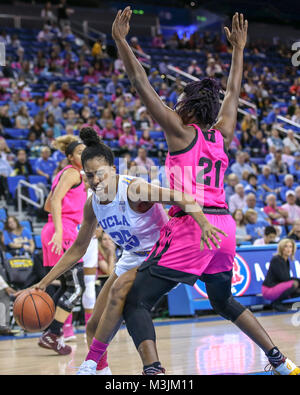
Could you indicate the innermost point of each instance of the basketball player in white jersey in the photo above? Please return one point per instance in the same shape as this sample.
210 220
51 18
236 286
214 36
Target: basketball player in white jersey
132 223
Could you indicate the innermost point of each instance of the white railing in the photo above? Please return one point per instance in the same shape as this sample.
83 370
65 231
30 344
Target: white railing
38 191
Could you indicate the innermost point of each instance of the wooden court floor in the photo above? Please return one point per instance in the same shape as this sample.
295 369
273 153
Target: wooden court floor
186 347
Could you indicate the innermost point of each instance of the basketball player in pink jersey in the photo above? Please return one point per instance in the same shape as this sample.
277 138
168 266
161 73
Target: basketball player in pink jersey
198 134
65 205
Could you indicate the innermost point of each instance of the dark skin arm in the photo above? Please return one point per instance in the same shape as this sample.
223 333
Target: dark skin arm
178 135
227 117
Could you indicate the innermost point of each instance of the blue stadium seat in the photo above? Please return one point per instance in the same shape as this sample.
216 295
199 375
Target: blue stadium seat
17 133
35 179
16 144
3 214
38 241
27 225
1 226
13 183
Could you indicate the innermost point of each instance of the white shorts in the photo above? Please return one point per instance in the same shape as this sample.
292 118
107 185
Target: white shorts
90 258
128 261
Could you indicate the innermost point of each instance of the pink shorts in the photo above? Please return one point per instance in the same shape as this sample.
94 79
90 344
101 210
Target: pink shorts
273 293
178 247
70 233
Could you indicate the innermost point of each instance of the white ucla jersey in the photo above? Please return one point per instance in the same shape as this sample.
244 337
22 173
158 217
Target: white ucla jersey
134 232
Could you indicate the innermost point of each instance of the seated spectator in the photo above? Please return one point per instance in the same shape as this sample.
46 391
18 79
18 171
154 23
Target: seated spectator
55 109
291 207
110 132
45 166
194 69
91 78
287 157
232 181
277 166
278 284
23 120
48 137
288 185
239 166
22 166
271 118
297 192
291 141
71 118
275 140
45 35
213 69
254 227
144 120
253 187
251 204
52 124
97 51
68 93
143 161
92 122
18 240
5 152
126 140
53 92
106 114
241 233
296 116
6 292
71 70
268 181
124 162
33 145
269 237
113 84
294 169
158 41
276 214
106 254
259 145
5 171
146 141
238 199
38 125
294 234
4 117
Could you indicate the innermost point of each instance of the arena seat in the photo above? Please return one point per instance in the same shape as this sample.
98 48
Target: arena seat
13 182
3 214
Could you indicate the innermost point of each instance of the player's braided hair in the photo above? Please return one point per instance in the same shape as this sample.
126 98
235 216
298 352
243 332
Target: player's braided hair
201 100
94 147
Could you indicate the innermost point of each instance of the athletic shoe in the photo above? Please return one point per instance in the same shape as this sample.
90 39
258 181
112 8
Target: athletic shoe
87 368
154 372
69 334
104 372
287 368
54 342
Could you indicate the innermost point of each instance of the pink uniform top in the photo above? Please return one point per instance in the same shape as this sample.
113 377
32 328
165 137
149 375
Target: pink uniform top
199 169
73 202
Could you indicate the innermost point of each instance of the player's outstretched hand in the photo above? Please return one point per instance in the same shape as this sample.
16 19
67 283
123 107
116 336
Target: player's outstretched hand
120 27
238 35
35 286
210 235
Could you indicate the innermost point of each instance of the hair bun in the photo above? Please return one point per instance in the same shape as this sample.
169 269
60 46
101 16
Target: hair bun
89 137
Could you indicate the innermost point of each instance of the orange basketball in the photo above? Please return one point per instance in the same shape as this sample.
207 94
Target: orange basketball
34 310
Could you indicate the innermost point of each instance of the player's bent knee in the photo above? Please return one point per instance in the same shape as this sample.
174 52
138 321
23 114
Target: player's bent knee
229 309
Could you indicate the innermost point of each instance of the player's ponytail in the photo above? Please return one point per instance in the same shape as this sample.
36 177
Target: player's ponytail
201 100
94 147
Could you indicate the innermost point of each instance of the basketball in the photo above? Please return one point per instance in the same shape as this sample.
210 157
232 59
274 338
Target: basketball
34 310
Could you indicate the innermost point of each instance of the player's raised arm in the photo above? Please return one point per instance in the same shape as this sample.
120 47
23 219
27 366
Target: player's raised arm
227 117
167 118
141 191
77 250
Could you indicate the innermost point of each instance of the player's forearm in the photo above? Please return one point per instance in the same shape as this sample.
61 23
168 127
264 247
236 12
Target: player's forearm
134 69
56 215
236 72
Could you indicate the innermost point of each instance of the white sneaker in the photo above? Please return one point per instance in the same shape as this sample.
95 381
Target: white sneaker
104 372
87 368
287 368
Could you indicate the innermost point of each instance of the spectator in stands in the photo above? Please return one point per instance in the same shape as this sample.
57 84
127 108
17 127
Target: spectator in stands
110 132
158 41
144 121
5 171
146 141
287 156
255 227
52 93
127 141
194 69
288 185
97 51
22 166
52 124
277 166
92 122
91 78
232 181
45 166
251 204
295 88
291 141
63 13
291 207
38 125
71 118
113 85
143 161
267 180
106 254
296 116
241 232
134 43
4 117
213 69
240 166
271 118
6 292
238 199
278 284
68 93
297 192
14 105
295 232
269 237
275 140
259 145
23 120
45 35
276 214
47 15
294 169
17 239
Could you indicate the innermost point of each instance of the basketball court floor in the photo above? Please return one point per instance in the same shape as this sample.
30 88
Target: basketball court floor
197 346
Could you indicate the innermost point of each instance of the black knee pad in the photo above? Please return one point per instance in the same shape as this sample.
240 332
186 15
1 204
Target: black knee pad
74 280
229 308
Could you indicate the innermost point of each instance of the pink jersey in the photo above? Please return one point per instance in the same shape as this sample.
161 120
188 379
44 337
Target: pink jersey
199 169
73 202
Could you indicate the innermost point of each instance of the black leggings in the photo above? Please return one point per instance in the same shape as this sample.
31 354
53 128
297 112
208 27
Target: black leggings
147 290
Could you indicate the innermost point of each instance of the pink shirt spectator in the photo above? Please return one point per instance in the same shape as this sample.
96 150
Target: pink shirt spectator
268 210
90 79
95 127
294 212
148 163
51 95
148 144
110 134
128 140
